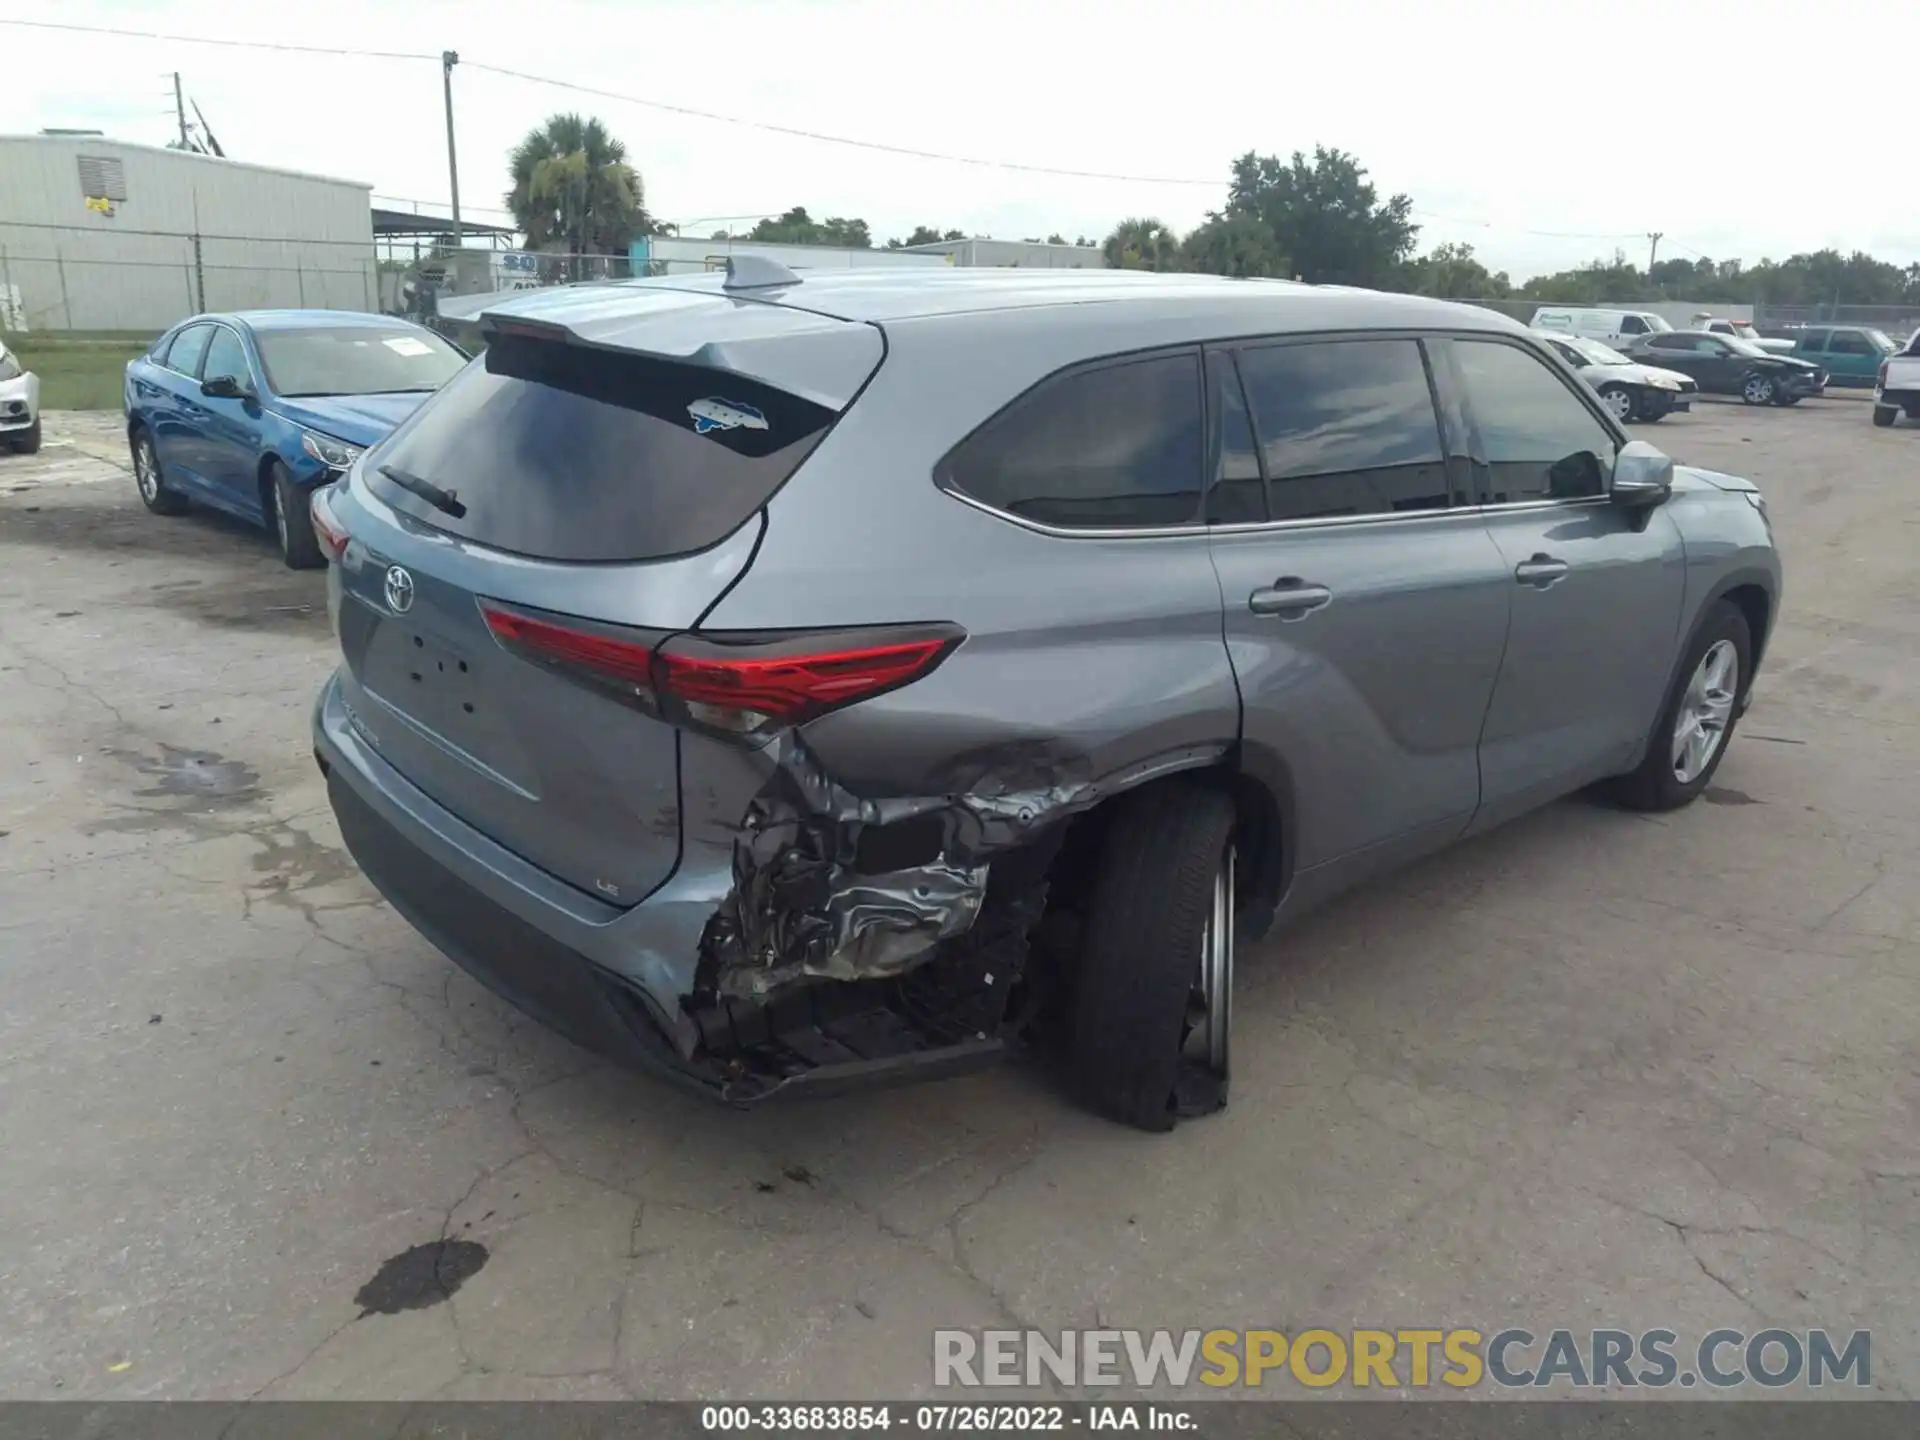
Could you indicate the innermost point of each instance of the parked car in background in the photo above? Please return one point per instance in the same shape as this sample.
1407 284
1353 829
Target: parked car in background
1897 387
1610 327
19 404
688 726
250 412
1629 389
1850 354
1740 330
1725 365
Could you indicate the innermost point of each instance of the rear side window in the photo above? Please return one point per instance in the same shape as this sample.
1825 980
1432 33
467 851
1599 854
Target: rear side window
1813 340
562 452
1118 447
187 348
1237 495
1540 442
1347 428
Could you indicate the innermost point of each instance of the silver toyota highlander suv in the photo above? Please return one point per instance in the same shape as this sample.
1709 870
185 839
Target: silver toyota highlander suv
784 683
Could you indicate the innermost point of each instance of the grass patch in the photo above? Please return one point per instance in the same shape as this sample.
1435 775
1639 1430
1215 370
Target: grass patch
78 374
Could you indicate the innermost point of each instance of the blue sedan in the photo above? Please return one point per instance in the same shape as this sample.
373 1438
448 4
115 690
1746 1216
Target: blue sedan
250 412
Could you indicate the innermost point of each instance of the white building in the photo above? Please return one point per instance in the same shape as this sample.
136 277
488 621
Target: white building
97 234
672 255
1025 254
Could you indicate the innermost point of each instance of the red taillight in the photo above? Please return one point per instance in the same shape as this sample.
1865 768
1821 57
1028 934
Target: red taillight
331 534
740 685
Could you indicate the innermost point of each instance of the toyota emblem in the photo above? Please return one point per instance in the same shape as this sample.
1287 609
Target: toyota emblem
399 590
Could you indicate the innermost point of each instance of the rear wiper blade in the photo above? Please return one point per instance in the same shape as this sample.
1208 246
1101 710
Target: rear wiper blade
444 500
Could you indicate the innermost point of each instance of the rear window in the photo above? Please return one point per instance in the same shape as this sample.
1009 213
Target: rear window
356 360
564 452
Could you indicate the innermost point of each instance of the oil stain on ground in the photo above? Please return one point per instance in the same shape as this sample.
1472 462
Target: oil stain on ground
1718 795
195 774
423 1276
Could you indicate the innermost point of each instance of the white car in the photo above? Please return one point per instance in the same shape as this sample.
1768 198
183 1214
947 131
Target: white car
1629 388
19 404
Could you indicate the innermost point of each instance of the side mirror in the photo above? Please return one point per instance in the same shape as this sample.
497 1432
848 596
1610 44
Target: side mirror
223 387
1642 476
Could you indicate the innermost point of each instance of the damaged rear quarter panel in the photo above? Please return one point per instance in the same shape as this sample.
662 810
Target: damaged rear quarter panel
1090 665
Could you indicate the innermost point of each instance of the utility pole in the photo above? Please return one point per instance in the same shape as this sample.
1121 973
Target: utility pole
1654 238
449 59
180 112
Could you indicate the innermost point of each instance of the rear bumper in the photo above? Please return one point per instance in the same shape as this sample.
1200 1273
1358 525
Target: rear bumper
607 979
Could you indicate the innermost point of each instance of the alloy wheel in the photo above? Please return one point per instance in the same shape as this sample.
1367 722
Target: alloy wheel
1757 391
1706 709
146 470
1210 1008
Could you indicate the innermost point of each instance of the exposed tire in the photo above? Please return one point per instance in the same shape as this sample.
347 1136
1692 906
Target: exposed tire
1651 406
292 520
150 480
1885 415
1783 399
1619 402
1662 781
1757 389
1165 852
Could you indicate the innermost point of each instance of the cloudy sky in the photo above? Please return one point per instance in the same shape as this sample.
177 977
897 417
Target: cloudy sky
1735 136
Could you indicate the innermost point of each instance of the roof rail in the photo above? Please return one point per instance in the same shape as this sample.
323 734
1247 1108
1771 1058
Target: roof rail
754 272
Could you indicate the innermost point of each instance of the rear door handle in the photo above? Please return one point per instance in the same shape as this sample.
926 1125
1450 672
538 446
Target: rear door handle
1541 572
1289 597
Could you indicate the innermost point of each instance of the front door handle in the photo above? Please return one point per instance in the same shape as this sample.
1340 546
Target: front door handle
1541 572
1289 597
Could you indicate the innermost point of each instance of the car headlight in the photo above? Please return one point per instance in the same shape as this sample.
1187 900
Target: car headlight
1661 382
1759 502
10 368
332 453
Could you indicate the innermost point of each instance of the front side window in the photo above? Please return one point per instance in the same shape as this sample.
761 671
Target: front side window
356 360
1539 440
1845 342
187 348
1632 325
1347 427
227 356
1119 447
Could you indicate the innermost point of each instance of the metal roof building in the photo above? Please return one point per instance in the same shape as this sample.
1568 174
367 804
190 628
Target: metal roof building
1019 254
98 234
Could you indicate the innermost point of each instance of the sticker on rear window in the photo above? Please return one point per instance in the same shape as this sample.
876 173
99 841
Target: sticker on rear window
407 345
714 413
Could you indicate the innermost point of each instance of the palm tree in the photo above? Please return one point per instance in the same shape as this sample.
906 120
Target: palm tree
1141 244
574 191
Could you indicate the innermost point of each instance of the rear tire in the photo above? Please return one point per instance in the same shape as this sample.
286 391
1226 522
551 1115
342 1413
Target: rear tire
292 520
1658 783
150 479
1167 851
1651 406
27 442
1885 415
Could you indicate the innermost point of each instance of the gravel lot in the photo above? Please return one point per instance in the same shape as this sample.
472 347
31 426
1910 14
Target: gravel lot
1595 1069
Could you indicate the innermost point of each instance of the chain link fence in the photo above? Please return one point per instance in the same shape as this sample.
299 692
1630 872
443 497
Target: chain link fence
143 281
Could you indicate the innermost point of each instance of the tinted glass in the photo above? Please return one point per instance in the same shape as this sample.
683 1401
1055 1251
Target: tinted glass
1671 342
1632 325
1813 340
1347 428
1566 352
227 356
566 453
1541 442
187 348
1845 342
1115 447
1237 494
356 360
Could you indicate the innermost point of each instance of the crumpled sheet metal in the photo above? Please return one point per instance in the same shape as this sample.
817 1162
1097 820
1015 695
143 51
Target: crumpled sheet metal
799 908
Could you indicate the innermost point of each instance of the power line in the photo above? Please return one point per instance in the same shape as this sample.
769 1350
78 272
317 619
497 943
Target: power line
825 138
210 40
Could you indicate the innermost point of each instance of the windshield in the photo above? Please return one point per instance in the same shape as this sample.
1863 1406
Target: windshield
1881 341
1597 353
356 360
1656 322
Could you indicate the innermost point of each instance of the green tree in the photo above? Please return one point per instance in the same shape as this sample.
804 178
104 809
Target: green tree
1325 216
1450 272
1233 245
797 227
1142 244
574 191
